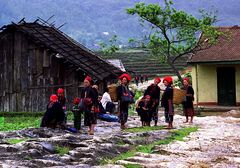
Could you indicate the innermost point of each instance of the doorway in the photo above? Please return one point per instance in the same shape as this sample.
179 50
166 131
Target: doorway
226 86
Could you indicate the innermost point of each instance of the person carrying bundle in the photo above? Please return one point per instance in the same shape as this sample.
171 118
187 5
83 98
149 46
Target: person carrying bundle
125 97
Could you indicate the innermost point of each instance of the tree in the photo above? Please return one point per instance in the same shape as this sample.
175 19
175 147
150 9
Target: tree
110 47
175 33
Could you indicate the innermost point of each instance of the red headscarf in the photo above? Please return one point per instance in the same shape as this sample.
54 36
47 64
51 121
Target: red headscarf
168 79
157 79
76 100
88 78
126 76
60 90
186 79
53 98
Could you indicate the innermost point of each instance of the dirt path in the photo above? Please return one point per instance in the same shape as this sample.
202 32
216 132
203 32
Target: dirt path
216 144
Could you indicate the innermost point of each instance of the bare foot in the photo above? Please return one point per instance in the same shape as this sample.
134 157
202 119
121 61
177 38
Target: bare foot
90 133
123 127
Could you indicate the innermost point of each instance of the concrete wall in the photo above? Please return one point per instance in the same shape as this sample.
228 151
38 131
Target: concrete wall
238 84
204 82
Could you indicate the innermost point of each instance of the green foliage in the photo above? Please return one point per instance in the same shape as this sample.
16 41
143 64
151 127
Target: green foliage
70 116
62 150
175 33
16 140
138 43
138 94
110 47
178 82
143 129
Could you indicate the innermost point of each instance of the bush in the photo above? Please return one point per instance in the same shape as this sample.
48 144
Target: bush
138 94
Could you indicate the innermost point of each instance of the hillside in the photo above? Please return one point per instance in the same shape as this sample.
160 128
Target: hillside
140 61
92 21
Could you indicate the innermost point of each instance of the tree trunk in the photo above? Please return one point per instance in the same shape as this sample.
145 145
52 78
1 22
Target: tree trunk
175 70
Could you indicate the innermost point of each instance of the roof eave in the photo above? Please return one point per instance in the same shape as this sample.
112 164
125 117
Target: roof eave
215 62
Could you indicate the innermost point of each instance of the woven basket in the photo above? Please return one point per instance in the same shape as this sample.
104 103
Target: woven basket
113 92
178 95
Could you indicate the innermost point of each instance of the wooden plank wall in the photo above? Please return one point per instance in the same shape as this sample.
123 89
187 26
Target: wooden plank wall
26 72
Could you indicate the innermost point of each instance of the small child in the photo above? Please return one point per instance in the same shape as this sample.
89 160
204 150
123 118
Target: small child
144 110
76 114
62 101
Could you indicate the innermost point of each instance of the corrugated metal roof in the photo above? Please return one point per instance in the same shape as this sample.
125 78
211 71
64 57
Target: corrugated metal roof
117 63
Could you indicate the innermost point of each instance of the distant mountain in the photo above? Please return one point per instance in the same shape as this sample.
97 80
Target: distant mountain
91 21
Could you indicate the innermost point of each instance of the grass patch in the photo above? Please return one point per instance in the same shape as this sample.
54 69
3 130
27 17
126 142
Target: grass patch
121 143
13 141
21 114
122 156
180 134
143 129
61 150
10 121
175 135
18 123
1 121
132 166
28 157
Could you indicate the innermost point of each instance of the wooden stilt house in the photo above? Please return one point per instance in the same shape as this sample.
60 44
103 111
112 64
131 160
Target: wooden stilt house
37 58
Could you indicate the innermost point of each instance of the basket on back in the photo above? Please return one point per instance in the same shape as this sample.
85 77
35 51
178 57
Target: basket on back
178 95
113 92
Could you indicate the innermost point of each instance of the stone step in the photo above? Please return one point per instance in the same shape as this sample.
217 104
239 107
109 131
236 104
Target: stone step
47 163
143 160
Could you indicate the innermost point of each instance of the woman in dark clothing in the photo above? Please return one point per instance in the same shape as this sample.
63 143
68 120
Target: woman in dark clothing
167 101
122 91
54 115
188 103
144 110
154 91
89 97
